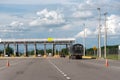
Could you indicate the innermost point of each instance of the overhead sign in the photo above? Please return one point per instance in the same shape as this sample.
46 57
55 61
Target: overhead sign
50 39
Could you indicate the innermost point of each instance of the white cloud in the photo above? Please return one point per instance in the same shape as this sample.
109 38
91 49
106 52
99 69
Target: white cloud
50 30
87 33
32 1
67 27
113 24
82 10
16 24
82 14
113 27
93 2
46 17
89 1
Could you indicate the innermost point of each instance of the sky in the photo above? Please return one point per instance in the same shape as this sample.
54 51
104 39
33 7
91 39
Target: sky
60 19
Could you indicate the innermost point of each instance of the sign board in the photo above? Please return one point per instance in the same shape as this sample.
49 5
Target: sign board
119 47
50 39
94 48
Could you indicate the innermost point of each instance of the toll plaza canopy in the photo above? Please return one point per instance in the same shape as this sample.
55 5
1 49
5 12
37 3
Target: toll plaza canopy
53 41
48 40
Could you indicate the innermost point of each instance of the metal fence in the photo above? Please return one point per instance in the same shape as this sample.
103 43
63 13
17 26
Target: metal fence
113 52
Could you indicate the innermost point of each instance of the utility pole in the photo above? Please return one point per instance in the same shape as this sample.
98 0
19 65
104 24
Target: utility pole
84 42
105 36
99 33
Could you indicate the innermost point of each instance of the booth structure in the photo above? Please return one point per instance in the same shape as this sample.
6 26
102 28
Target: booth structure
45 42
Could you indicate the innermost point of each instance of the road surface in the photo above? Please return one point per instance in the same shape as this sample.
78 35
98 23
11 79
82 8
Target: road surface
58 69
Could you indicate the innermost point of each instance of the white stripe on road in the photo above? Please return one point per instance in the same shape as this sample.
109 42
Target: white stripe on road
65 75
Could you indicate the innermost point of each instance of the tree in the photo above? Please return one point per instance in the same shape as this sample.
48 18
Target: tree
49 50
9 51
64 51
40 52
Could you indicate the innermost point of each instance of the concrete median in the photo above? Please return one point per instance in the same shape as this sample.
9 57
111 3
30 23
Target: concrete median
88 57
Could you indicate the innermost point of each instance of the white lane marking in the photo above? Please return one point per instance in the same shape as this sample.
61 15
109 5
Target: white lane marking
68 78
62 73
65 75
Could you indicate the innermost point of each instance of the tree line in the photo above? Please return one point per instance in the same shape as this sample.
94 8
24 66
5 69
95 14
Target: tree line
109 50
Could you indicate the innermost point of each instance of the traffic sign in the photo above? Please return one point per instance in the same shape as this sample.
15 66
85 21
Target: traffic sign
94 48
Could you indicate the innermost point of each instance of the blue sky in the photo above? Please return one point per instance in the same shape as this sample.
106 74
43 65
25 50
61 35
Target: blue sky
59 19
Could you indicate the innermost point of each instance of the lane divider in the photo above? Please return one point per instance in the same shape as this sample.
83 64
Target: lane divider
65 75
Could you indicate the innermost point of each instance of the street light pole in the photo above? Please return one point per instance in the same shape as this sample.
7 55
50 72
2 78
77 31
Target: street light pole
105 36
84 39
99 33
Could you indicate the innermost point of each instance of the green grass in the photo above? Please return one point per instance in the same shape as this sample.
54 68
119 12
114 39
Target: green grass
109 56
113 56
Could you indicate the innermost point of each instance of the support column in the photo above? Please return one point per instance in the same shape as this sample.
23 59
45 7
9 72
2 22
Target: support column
17 52
45 49
8 53
54 49
68 48
35 49
25 49
14 49
4 49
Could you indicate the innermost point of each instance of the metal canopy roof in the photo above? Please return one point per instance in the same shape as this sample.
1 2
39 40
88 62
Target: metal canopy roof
48 40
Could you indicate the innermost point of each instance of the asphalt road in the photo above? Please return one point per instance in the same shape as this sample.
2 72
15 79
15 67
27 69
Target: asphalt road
58 69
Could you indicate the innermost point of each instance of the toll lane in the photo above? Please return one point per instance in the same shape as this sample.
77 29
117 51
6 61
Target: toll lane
87 69
59 69
31 69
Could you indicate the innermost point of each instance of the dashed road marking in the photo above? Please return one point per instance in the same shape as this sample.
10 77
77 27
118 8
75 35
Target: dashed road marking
65 75
68 78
